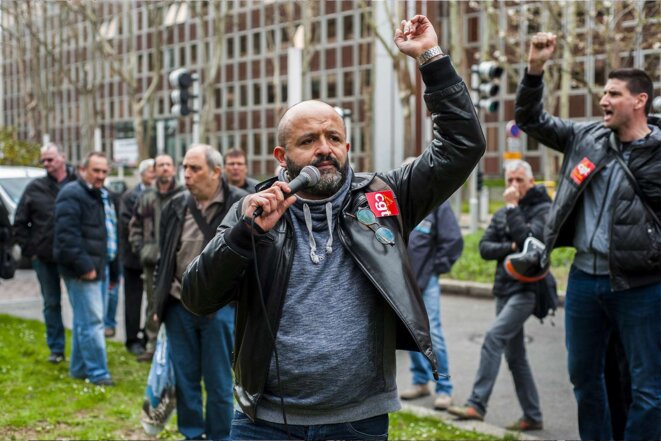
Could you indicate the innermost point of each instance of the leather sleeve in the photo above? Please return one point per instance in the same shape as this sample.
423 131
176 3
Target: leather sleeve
211 280
446 163
530 116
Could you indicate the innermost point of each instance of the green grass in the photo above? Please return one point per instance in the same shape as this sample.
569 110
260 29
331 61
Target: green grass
39 400
406 426
471 267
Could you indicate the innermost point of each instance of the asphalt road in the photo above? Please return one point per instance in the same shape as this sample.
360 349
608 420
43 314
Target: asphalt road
464 319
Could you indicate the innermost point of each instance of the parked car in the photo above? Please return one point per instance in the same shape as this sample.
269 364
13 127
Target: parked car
116 184
13 180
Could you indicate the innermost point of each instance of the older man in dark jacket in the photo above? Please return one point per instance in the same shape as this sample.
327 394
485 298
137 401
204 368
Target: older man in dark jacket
523 216
33 232
200 347
608 194
81 250
327 294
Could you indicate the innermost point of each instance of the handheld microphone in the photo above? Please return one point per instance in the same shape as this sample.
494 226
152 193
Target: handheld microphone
308 177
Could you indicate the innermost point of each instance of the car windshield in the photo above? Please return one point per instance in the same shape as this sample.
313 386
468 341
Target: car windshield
14 186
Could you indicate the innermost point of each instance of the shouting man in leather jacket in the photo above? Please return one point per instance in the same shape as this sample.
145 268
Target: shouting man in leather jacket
615 280
331 268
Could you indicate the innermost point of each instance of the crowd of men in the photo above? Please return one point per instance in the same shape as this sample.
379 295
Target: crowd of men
308 300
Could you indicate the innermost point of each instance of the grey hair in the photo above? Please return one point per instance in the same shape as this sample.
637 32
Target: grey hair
145 165
51 145
214 157
511 166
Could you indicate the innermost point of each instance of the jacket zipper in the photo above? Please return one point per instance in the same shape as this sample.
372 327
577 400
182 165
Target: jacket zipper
378 287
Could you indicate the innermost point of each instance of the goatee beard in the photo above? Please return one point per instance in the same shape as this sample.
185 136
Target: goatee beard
331 180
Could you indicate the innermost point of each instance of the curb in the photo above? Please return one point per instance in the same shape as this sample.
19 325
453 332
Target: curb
468 425
476 289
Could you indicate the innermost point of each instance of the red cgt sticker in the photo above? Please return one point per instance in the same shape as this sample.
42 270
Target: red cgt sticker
582 170
382 203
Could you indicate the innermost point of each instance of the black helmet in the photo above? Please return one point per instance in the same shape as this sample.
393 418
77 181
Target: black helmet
525 266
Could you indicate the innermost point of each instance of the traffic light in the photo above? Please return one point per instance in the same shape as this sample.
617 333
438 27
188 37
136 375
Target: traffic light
485 82
181 80
480 180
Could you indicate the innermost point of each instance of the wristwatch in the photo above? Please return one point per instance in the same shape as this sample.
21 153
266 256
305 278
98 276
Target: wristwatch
429 54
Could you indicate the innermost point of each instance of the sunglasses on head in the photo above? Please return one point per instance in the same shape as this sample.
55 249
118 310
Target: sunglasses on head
367 218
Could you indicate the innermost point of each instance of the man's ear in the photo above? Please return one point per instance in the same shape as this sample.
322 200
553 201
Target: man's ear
641 100
279 155
348 146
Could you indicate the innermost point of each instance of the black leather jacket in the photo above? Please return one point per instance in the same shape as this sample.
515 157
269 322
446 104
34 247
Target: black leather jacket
225 270
635 254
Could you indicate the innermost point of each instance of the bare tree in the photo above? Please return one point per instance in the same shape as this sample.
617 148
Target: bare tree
401 66
212 55
123 63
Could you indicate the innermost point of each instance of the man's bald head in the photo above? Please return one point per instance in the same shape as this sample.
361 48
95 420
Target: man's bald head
305 109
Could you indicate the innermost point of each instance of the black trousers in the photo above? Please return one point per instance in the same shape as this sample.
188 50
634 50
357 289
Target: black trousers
132 304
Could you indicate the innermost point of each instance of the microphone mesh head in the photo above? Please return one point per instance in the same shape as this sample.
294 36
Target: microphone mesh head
312 173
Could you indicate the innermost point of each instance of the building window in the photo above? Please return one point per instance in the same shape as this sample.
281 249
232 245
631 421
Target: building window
177 14
257 94
229 43
348 84
331 86
331 30
347 28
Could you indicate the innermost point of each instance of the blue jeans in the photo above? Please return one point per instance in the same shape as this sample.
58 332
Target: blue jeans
375 428
110 300
201 348
420 366
88 346
592 310
506 336
51 291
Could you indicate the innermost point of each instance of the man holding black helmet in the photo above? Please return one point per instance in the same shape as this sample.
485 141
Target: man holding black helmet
523 216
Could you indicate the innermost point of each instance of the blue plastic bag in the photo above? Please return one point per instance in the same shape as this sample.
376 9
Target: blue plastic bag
159 401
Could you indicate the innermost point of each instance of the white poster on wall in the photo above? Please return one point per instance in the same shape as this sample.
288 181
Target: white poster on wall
125 151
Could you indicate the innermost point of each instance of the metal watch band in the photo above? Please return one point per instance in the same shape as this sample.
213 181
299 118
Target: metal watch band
429 54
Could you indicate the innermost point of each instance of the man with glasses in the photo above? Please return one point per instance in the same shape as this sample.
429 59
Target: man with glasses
236 170
318 355
33 232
